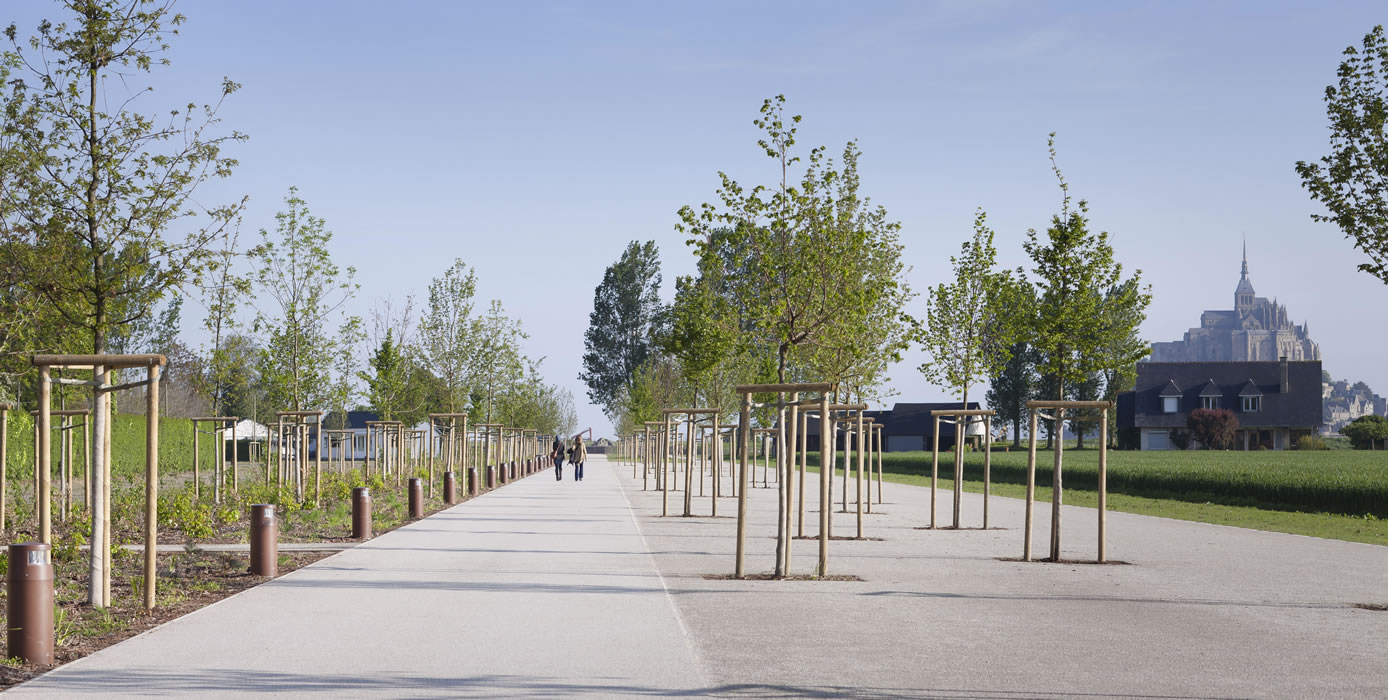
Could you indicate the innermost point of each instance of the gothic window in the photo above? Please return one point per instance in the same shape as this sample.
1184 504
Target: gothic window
1209 402
1170 404
1252 404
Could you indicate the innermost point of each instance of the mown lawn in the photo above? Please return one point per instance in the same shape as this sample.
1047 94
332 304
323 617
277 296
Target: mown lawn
1339 494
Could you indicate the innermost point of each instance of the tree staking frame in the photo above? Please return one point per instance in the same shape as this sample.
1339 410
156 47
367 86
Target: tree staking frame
1035 408
102 366
961 418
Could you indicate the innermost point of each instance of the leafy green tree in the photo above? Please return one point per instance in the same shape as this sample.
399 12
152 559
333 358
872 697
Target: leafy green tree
622 325
447 333
1352 181
969 330
1012 387
809 253
238 392
91 194
386 385
301 290
497 361
1078 329
220 295
1365 431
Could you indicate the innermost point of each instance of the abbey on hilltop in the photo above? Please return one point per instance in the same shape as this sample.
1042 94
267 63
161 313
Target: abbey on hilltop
1255 330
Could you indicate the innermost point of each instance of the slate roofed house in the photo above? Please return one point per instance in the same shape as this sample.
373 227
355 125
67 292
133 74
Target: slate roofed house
907 427
351 420
1276 402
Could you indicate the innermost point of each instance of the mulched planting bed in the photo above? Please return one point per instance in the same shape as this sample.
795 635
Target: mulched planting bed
187 581
1376 607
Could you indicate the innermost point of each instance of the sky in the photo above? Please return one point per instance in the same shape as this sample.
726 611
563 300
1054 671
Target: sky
534 140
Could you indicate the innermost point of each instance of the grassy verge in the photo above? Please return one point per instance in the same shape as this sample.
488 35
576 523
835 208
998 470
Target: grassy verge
1201 487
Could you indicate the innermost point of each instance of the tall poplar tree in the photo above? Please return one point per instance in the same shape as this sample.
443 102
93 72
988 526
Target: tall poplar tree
622 325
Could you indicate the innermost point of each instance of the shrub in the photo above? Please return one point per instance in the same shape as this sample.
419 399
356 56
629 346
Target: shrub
1311 442
1213 427
1180 439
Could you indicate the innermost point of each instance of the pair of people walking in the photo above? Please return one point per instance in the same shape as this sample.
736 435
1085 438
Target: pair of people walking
577 455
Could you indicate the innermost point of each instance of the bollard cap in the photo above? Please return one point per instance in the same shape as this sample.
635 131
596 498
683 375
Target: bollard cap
30 561
361 492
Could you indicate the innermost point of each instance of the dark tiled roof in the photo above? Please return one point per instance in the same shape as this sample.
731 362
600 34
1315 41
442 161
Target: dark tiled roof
356 420
1250 389
1171 390
1211 389
909 419
1299 408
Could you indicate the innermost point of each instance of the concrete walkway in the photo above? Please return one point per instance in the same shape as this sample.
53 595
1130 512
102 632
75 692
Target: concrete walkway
543 589
538 589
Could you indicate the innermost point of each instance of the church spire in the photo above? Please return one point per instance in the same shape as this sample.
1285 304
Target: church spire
1245 258
1244 294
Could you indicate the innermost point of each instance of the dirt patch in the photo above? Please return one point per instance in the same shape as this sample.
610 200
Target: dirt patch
1048 560
1376 607
840 538
772 577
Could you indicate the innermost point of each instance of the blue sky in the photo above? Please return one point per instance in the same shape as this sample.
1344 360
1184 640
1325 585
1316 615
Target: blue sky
535 139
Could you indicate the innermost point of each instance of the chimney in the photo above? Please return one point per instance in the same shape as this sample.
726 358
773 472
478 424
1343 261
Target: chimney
1283 362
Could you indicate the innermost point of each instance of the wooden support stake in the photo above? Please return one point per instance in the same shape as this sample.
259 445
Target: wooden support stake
151 484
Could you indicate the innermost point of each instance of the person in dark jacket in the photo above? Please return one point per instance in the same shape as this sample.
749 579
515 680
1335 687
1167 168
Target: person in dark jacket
556 453
578 455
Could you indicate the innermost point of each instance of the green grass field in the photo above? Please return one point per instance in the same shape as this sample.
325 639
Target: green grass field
1339 494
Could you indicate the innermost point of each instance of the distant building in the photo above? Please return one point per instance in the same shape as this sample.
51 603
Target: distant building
337 420
1254 330
907 427
1276 402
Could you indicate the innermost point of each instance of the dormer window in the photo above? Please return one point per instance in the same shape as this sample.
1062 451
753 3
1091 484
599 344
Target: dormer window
1170 404
1210 395
1252 404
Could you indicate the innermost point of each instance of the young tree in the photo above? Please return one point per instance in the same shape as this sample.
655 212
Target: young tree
91 195
1077 329
622 325
809 253
301 291
969 330
497 361
220 295
1352 181
447 332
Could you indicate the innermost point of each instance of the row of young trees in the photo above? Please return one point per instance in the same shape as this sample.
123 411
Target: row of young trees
803 279
103 237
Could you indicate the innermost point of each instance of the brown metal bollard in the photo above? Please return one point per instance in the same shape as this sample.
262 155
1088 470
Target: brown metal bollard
416 498
472 481
30 608
450 488
491 477
265 540
361 513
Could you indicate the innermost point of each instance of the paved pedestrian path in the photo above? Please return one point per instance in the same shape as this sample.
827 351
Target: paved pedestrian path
538 589
545 589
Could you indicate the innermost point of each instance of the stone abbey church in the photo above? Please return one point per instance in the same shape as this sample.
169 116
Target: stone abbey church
1255 330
